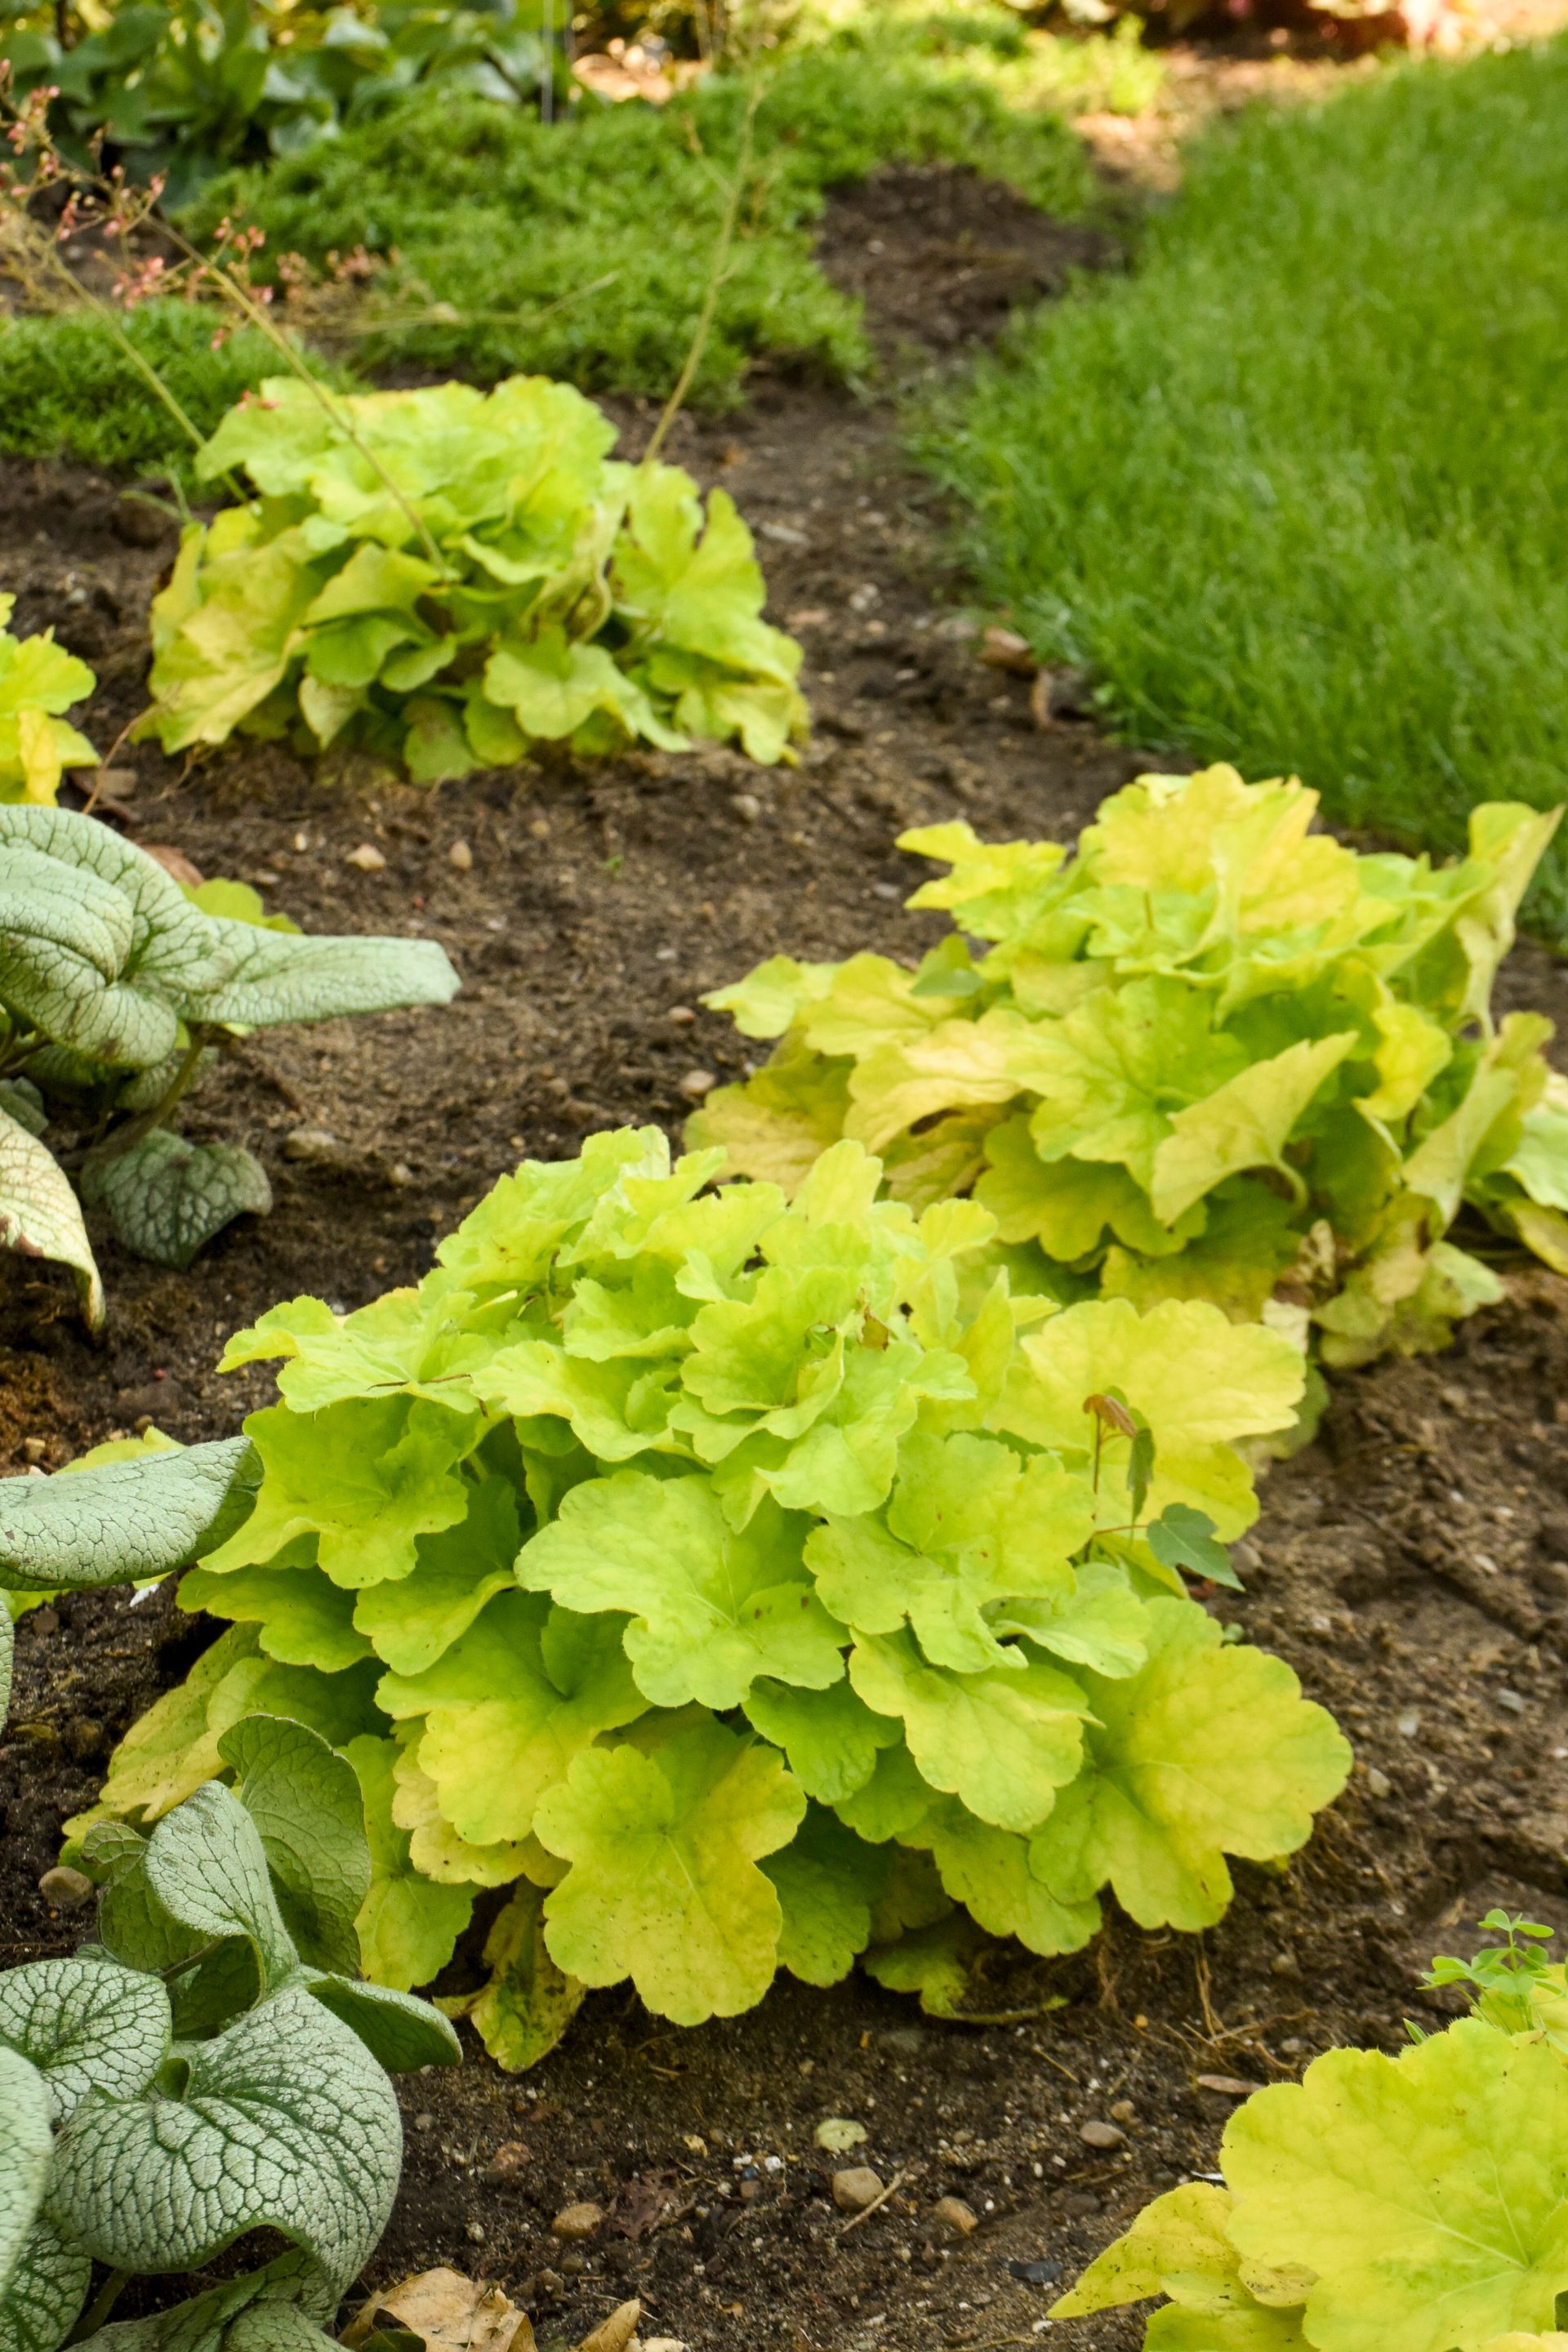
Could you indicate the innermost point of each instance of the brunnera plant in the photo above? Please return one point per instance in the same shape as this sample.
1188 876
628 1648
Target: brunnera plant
745 1583
1210 1055
1415 2203
117 989
208 2065
446 576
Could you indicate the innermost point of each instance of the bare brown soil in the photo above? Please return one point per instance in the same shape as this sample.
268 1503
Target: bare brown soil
1413 1564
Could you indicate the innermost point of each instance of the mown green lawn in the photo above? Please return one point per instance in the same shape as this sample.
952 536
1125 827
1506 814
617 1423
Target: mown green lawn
1297 489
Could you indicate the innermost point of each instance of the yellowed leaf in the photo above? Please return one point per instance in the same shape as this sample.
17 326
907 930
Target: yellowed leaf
453 2313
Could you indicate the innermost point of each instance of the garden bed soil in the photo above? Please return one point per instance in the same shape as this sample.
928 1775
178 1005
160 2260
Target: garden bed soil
1412 1564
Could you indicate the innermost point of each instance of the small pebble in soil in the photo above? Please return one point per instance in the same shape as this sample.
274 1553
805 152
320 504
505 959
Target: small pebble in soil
1035 2273
34 1448
477 2232
747 806
1095 2134
1378 1783
368 858
681 1014
577 2221
508 2162
856 2188
1229 2086
697 1083
461 856
1409 1722
65 1889
950 2213
311 1144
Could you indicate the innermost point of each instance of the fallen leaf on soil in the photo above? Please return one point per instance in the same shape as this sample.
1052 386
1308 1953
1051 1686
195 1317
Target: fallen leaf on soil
642 2205
1005 649
176 862
453 2313
835 2133
613 2335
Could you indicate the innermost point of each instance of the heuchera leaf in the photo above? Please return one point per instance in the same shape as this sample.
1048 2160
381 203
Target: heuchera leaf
664 1885
408 1925
39 681
1198 1381
826 1880
1004 1741
509 1706
712 1608
1178 2246
1425 2192
1206 1750
368 1477
527 2004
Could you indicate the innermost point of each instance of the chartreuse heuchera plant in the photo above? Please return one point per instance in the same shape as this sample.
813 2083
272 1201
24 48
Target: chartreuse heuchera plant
743 1583
117 989
1408 2204
1212 1056
447 576
38 682
211 2063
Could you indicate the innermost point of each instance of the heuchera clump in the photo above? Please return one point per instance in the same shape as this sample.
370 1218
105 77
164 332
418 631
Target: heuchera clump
748 1582
1381 2204
444 576
1212 1055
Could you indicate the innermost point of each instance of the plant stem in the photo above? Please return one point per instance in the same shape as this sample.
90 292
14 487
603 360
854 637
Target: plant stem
99 2309
254 313
125 1138
144 366
720 272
